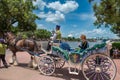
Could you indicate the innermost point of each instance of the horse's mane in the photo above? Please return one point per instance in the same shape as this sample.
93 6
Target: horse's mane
11 33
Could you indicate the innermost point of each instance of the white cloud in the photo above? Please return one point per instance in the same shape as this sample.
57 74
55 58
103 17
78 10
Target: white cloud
87 16
40 4
94 32
67 7
52 17
57 10
70 35
41 26
42 15
55 18
98 33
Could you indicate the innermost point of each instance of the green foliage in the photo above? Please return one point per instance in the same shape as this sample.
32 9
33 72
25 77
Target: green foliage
38 34
116 45
42 34
107 13
26 34
20 11
71 39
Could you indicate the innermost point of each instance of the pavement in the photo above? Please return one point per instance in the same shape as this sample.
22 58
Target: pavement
23 72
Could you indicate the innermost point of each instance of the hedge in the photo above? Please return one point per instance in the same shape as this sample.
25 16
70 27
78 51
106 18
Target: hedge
116 45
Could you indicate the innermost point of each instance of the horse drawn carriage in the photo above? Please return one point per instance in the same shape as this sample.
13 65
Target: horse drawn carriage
94 62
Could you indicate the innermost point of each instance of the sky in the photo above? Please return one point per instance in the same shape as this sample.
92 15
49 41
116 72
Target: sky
75 17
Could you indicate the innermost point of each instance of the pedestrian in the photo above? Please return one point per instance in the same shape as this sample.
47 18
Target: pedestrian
2 52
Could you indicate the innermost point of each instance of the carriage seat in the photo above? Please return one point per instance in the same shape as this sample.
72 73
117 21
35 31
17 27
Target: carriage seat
60 52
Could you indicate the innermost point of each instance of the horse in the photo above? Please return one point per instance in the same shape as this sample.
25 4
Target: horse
16 45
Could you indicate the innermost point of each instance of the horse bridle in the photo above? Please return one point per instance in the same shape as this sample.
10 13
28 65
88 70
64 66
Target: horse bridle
7 39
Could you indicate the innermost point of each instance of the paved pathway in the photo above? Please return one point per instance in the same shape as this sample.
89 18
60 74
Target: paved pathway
22 72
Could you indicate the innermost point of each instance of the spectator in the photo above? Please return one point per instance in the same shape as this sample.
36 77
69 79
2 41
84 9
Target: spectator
2 52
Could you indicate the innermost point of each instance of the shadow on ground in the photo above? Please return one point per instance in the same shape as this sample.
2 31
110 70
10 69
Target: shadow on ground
62 73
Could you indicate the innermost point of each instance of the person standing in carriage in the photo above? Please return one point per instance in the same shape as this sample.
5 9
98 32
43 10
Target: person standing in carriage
56 38
2 52
58 34
84 43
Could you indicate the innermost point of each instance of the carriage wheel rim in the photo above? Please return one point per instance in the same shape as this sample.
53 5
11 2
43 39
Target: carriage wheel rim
46 67
99 71
59 63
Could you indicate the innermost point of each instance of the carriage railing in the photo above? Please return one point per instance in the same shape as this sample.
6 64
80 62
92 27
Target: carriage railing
60 52
64 54
75 57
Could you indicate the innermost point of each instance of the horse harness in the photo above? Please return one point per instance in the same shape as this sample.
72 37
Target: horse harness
15 41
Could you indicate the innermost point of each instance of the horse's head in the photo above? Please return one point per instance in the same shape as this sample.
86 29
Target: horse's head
109 44
9 36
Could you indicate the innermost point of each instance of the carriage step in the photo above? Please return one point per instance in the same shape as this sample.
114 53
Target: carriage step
75 73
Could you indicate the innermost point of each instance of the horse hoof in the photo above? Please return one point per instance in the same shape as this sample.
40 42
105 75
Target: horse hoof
35 66
11 61
15 63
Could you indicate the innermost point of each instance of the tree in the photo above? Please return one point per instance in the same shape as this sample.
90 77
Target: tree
107 13
42 34
17 11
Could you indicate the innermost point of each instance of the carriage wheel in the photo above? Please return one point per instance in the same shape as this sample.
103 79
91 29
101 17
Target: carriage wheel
99 67
46 65
59 63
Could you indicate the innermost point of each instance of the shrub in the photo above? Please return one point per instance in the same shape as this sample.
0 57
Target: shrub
116 45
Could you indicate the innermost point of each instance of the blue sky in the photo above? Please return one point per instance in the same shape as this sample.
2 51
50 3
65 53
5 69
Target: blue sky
75 17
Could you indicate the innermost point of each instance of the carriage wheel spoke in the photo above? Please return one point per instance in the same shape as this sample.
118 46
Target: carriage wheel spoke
106 75
91 76
101 77
91 71
95 76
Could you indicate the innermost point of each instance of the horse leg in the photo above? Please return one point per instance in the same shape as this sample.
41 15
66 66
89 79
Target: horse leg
31 62
11 60
15 61
35 62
